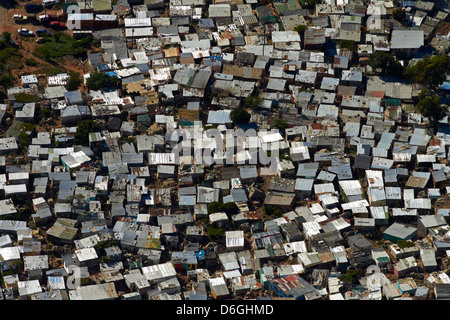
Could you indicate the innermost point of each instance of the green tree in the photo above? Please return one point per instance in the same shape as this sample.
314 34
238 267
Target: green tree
347 44
352 277
83 130
240 116
430 71
301 28
230 208
272 211
6 81
280 124
7 36
384 63
74 81
100 80
31 62
253 101
400 15
430 105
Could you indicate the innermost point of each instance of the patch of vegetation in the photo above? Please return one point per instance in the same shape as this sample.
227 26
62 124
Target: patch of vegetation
280 124
24 214
430 71
101 80
83 129
405 244
26 98
230 208
24 140
10 59
31 62
44 113
273 211
252 101
301 28
102 245
74 81
60 45
385 64
430 105
240 116
352 276
28 127
213 232
400 15
347 44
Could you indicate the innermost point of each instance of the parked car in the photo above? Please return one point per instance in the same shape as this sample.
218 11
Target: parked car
49 3
47 17
25 32
57 24
33 7
43 32
19 17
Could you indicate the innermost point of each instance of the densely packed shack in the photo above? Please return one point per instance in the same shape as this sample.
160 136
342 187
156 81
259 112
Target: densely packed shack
228 149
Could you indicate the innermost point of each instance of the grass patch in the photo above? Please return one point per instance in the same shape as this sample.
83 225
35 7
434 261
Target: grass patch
31 62
60 45
26 98
10 55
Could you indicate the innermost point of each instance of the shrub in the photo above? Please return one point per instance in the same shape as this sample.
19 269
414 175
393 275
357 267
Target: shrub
230 208
240 116
74 81
100 80
31 62
83 130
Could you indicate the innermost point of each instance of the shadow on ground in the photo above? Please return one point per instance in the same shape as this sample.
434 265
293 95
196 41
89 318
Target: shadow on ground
8 4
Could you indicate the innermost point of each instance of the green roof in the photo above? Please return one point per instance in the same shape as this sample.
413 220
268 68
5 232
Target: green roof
392 102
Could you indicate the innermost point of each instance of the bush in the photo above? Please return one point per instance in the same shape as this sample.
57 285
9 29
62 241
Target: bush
430 71
352 276
429 105
60 45
102 245
405 244
74 81
213 232
280 124
230 208
26 98
253 101
272 211
301 28
347 44
385 64
44 113
100 80
31 62
240 116
83 130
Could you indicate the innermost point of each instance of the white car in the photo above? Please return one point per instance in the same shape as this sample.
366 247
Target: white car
49 3
25 32
19 17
